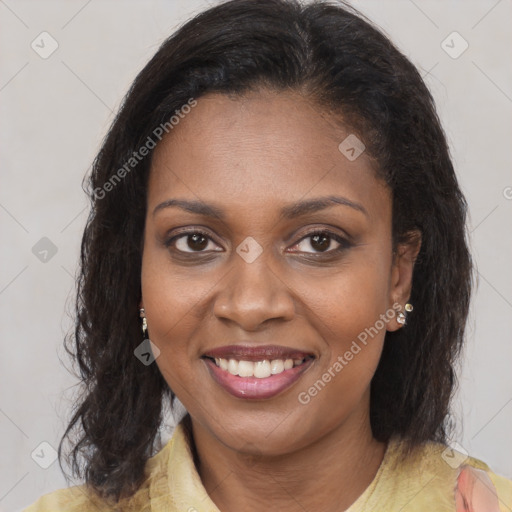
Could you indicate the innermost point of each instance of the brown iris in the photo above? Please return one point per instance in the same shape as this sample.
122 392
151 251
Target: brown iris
197 242
320 242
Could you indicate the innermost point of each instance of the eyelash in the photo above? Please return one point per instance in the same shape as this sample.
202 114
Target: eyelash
344 243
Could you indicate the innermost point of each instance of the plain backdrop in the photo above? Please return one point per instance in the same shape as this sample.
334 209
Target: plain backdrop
54 112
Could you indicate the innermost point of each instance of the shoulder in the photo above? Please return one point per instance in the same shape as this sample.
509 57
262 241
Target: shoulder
79 498
437 477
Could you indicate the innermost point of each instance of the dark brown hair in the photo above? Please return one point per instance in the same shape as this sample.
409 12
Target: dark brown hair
336 58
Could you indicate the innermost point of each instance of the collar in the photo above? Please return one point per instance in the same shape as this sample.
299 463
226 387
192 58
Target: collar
176 485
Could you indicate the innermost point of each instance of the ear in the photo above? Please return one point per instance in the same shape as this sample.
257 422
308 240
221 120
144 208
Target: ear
401 274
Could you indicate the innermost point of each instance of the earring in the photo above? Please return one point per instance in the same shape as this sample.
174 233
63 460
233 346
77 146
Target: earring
401 317
144 322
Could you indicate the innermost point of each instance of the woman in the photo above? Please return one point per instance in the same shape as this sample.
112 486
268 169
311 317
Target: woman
274 208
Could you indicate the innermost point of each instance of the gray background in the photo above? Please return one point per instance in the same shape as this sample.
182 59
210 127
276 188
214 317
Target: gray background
54 113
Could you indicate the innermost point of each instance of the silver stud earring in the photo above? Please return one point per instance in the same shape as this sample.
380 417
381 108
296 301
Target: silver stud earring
144 322
401 317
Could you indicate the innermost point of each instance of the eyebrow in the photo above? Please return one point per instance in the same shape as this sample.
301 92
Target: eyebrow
290 211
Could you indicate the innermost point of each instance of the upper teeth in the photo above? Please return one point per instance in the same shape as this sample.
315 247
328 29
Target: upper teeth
258 369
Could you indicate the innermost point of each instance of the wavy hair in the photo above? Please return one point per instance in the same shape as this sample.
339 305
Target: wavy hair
332 55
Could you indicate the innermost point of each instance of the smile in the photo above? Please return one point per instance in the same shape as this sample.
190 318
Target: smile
256 372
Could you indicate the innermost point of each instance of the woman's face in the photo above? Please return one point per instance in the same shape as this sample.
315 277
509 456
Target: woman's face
272 277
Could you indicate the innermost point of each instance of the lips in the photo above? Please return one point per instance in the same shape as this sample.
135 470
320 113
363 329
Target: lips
256 372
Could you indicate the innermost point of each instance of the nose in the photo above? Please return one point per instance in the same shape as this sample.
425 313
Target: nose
252 294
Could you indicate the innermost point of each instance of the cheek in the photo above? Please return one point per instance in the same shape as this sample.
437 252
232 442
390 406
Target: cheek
348 300
174 310
172 303
349 312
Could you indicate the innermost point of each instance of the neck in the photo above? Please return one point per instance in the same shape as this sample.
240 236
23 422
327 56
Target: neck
329 474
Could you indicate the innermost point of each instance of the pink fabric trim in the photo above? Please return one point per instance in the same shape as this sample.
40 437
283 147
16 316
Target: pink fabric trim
475 492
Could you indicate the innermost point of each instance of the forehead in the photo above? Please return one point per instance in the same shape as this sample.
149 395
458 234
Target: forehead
265 148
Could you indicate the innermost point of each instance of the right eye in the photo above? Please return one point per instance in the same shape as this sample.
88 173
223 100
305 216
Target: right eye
194 241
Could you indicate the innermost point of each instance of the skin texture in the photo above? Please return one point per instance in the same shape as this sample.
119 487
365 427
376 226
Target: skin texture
252 156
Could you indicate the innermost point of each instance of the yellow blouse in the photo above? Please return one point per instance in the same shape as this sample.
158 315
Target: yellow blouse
426 483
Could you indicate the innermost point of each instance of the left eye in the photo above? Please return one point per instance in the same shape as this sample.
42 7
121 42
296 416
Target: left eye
320 242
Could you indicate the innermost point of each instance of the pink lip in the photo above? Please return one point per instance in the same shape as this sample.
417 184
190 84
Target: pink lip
256 353
253 387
